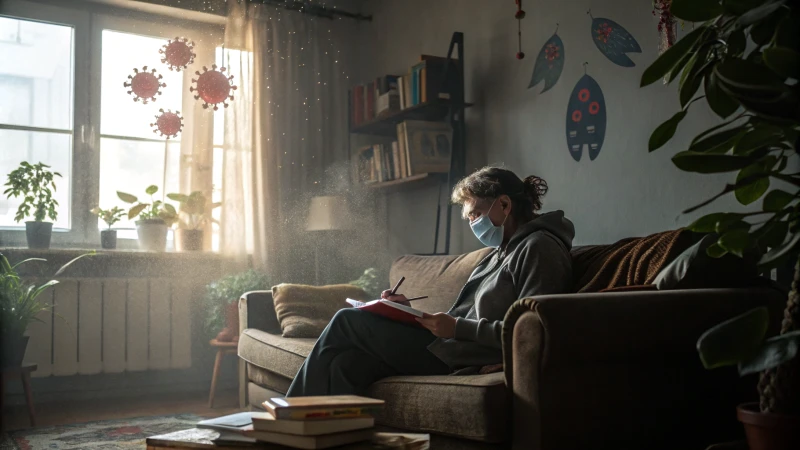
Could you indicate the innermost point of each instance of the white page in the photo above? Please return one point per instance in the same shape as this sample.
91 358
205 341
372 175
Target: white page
408 309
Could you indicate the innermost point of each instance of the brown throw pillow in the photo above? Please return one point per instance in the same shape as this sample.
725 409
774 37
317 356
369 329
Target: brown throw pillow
304 311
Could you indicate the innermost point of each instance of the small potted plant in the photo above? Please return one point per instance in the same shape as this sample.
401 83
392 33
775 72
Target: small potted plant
36 184
108 238
194 209
19 306
221 302
155 218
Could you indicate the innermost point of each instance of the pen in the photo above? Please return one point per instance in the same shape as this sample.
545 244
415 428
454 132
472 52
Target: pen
396 286
416 298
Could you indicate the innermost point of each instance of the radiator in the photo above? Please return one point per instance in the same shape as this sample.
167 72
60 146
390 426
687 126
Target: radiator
112 325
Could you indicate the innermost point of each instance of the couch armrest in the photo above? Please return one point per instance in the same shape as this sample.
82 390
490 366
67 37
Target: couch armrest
621 366
257 310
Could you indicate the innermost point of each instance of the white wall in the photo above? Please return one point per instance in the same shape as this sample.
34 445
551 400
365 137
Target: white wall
625 191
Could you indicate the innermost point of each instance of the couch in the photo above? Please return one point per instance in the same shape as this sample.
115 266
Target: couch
590 370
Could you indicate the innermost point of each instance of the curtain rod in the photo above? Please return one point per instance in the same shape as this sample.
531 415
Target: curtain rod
306 7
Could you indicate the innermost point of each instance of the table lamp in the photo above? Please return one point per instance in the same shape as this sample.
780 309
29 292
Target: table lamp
327 213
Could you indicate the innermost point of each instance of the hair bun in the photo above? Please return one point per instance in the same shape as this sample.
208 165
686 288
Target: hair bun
535 188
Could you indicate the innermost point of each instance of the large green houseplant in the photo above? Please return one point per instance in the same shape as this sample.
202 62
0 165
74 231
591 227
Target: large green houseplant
155 219
35 183
746 55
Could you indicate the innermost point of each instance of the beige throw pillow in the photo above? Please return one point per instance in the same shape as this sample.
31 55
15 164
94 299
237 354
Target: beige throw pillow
304 311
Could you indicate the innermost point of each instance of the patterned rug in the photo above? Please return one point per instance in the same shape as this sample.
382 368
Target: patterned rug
106 434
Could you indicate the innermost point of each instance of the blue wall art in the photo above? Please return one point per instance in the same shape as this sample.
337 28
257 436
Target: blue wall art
613 41
586 119
549 63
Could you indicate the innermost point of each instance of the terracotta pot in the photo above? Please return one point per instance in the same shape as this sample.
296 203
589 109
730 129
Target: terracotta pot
769 431
189 240
38 234
13 350
152 234
231 331
108 239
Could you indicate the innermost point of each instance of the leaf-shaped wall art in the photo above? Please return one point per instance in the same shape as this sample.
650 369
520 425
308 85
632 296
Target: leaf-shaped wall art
586 119
614 42
549 63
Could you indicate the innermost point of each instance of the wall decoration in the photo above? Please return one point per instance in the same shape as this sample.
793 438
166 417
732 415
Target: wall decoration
144 85
178 54
586 118
613 41
213 87
549 63
168 123
519 15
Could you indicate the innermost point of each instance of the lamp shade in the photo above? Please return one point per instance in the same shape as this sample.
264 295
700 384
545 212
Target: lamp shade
328 213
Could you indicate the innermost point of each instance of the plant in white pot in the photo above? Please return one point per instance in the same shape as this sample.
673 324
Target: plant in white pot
155 218
195 210
35 183
108 238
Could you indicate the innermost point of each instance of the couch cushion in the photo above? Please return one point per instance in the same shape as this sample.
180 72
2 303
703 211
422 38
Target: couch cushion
304 311
278 354
439 277
268 379
470 406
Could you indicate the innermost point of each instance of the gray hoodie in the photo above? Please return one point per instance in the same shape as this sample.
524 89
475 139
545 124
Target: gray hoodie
535 262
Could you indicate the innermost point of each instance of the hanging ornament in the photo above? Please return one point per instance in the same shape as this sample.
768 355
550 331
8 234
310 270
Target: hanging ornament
178 54
519 15
549 63
586 118
213 87
613 41
168 123
144 85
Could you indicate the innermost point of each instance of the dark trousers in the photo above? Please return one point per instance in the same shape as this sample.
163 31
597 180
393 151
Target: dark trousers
358 348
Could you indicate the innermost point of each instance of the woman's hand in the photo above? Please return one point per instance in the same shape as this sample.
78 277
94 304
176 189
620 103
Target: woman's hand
441 324
397 298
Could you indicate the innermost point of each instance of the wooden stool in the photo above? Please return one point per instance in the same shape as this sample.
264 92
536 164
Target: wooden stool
223 348
23 372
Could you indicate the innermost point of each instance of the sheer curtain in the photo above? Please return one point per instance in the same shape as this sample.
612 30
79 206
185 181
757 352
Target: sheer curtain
285 127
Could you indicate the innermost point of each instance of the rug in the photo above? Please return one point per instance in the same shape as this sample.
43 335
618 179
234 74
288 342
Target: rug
105 434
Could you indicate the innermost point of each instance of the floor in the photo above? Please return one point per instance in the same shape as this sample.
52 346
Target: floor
50 414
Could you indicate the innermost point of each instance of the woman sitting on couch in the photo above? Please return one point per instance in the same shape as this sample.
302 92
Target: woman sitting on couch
531 258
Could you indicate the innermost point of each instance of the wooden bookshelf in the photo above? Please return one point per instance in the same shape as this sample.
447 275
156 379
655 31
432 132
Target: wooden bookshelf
419 180
432 111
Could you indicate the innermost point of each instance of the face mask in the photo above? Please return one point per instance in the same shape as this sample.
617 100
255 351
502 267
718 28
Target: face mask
489 234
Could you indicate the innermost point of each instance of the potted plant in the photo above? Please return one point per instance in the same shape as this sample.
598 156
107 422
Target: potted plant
746 55
194 208
155 218
36 184
108 238
19 306
221 302
371 282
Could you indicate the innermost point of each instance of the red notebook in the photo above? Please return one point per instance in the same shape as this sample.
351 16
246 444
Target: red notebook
392 310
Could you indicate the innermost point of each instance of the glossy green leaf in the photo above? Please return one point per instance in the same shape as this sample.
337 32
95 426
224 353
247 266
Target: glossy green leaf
739 7
752 192
133 212
758 137
726 226
720 142
664 63
693 80
735 241
127 198
758 14
708 223
773 234
689 161
152 189
739 74
721 103
734 340
776 200
696 10
778 255
783 61
664 132
715 251
774 352
711 130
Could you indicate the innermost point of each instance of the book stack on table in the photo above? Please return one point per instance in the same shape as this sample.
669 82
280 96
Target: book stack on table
301 422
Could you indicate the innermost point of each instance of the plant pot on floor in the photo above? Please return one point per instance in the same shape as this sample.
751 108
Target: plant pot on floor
108 239
188 240
766 431
231 330
12 350
152 234
38 234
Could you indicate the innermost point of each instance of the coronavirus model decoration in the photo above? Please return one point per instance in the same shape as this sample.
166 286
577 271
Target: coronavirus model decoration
144 85
168 123
213 87
178 54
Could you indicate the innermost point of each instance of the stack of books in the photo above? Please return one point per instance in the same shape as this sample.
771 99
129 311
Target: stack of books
375 99
301 422
425 81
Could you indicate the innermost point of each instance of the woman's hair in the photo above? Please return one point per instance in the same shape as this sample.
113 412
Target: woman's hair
492 182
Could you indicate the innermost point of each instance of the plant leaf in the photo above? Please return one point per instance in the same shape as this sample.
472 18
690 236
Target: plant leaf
721 103
689 161
133 212
758 14
664 63
752 192
708 223
664 132
773 234
69 263
777 255
696 10
735 241
734 340
760 136
776 200
152 189
783 61
127 198
715 251
718 143
774 352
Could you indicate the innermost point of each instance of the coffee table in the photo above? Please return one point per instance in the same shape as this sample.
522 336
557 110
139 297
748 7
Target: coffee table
200 438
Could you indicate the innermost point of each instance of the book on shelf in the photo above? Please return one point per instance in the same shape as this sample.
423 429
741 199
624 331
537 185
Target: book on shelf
390 310
427 146
378 163
322 407
376 98
267 422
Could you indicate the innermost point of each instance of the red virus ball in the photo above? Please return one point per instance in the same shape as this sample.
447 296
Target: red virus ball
178 54
168 123
213 87
144 85
520 55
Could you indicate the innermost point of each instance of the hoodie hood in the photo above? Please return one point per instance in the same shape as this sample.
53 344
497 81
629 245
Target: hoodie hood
553 222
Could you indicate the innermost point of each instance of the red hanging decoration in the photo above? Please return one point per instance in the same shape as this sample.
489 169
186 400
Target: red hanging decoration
168 123
144 85
213 87
178 54
519 15
667 25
